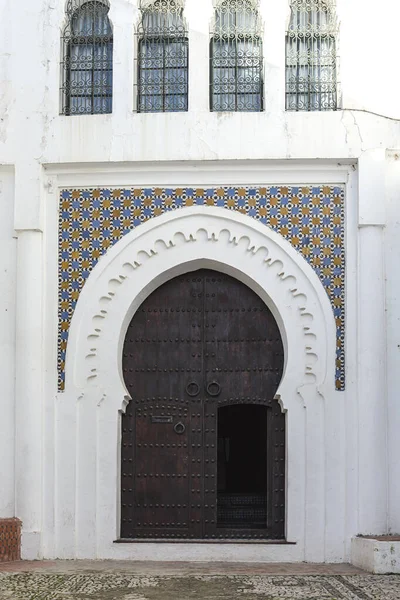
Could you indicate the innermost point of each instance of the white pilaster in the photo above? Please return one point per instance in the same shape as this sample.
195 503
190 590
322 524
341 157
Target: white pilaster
372 392
392 239
29 373
7 343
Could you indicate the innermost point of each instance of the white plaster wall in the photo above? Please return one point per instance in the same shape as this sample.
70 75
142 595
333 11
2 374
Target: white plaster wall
393 334
68 510
32 132
37 142
7 342
37 134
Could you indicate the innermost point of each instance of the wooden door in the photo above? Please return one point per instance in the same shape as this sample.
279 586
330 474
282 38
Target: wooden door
199 343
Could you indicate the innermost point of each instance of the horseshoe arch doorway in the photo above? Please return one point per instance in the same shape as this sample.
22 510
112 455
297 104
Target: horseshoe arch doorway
203 439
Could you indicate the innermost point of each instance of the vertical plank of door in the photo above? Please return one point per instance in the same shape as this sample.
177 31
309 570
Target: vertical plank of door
213 287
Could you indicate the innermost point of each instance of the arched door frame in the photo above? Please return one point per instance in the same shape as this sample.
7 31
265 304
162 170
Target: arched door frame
88 412
184 335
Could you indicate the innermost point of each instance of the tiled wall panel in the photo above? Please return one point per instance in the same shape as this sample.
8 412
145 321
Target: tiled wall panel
310 217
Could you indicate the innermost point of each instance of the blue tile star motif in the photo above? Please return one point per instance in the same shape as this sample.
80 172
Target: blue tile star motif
311 218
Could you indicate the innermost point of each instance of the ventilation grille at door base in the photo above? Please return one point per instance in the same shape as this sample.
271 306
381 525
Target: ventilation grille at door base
242 511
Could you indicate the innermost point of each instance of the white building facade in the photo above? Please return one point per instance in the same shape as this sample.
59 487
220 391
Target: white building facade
300 203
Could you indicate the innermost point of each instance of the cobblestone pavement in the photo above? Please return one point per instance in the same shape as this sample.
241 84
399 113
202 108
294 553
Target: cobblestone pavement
179 581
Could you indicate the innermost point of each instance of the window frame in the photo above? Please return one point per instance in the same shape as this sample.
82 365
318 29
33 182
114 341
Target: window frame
293 94
71 39
235 38
163 36
236 93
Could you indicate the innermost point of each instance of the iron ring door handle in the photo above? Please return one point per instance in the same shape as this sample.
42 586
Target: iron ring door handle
213 389
179 428
192 389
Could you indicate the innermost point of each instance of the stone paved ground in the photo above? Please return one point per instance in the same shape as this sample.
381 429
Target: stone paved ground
180 581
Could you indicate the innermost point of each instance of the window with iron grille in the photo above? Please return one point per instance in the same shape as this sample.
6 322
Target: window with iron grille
87 59
311 56
163 55
236 57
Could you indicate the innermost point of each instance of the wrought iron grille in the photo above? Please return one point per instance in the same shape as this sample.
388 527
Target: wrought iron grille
311 61
87 59
163 58
236 57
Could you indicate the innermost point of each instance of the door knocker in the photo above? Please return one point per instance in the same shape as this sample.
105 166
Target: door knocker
192 389
213 389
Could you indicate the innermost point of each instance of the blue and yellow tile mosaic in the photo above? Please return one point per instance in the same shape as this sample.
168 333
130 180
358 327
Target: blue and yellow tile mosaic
93 219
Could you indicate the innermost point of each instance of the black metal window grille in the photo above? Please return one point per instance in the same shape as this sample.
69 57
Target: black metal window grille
311 56
163 58
87 59
236 57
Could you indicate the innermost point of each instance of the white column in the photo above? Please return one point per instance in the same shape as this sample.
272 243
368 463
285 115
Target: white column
34 93
29 389
372 392
392 240
7 344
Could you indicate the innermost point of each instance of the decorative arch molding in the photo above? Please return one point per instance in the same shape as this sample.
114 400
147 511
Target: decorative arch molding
182 241
88 414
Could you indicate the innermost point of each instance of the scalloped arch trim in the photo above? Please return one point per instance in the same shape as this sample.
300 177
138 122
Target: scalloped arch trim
182 241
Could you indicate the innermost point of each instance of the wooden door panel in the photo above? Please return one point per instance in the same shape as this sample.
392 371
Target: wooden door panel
243 348
162 469
199 342
243 363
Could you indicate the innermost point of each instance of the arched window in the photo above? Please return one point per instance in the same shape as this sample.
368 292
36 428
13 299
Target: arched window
87 59
163 54
236 69
311 63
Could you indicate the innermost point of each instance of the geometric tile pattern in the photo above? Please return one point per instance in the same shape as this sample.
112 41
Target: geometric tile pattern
114 585
310 217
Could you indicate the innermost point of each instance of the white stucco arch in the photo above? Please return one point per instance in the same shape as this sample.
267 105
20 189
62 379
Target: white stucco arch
186 240
95 395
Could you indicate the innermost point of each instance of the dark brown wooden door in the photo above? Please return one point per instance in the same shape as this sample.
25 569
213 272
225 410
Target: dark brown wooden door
202 360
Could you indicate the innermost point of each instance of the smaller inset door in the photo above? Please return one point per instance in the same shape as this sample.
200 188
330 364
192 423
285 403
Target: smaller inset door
242 496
